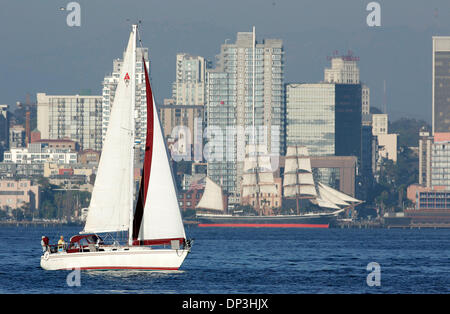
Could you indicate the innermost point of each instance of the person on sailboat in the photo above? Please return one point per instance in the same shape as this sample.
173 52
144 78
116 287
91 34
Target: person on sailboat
98 242
61 244
44 243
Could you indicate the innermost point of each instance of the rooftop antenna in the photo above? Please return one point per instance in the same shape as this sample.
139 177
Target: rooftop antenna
384 97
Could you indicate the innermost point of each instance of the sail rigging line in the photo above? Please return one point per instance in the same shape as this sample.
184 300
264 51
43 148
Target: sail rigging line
139 35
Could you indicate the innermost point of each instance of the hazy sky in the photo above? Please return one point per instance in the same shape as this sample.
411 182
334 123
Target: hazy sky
39 52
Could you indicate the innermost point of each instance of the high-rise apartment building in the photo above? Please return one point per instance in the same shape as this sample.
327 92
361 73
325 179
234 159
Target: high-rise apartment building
244 90
425 144
182 116
365 99
109 89
441 84
189 86
17 136
345 70
76 117
440 160
379 124
4 129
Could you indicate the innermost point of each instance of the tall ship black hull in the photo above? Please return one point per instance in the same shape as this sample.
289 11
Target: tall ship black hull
313 220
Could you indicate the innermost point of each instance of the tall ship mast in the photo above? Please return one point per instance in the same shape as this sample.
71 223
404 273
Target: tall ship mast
258 185
298 181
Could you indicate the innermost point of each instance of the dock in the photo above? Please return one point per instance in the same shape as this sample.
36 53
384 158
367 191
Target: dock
360 224
42 223
420 226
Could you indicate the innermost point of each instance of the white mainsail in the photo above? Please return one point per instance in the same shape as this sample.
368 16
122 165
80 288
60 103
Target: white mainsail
111 201
212 196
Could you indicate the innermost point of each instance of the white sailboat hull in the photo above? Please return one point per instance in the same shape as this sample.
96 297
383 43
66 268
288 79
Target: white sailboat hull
140 257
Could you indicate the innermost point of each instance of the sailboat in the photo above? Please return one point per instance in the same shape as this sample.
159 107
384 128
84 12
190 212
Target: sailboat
156 235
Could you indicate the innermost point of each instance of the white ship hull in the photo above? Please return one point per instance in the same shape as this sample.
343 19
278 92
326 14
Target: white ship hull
139 257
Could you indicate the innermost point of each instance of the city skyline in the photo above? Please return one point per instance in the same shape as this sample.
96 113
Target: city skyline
66 60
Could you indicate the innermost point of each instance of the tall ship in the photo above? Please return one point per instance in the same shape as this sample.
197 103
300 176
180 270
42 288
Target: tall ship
307 204
153 229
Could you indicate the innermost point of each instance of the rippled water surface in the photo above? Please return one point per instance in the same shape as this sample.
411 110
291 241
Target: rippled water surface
254 260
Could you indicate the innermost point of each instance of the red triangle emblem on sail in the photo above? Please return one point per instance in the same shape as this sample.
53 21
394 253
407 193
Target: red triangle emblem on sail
127 77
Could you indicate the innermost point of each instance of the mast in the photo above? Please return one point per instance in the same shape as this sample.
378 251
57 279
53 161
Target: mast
253 114
298 179
132 123
258 174
253 83
290 181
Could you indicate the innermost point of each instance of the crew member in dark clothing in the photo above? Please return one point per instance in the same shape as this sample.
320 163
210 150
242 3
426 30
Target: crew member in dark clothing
44 243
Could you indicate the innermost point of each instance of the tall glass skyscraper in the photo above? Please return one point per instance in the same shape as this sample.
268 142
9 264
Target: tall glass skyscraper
242 94
310 117
348 122
324 117
441 84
